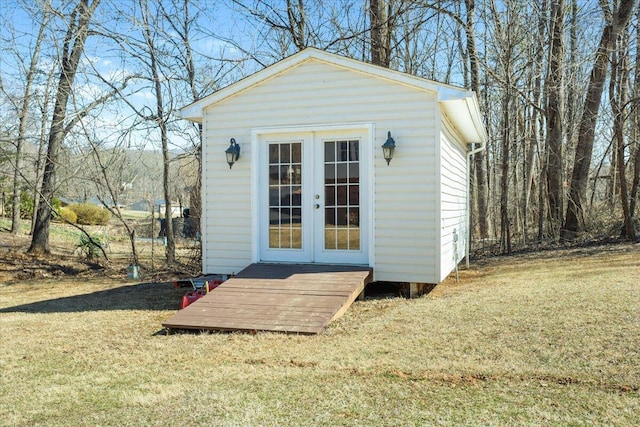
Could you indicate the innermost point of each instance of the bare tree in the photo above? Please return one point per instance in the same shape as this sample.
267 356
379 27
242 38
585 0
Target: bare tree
555 96
635 126
24 107
182 21
160 117
536 125
618 99
478 160
74 41
508 35
617 19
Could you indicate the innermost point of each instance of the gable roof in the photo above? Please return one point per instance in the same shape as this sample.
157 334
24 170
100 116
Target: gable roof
460 105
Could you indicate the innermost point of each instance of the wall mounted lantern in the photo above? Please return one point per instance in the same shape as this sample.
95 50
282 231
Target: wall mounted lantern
232 153
388 147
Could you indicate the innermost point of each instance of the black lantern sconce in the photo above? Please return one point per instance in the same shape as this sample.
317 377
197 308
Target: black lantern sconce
232 153
388 147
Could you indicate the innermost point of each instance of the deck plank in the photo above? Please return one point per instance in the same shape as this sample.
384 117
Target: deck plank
292 298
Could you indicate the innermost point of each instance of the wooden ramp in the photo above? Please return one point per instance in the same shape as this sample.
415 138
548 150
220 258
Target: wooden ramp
296 298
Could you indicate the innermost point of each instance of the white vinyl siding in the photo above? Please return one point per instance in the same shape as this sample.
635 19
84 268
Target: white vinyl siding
454 193
226 216
416 203
315 93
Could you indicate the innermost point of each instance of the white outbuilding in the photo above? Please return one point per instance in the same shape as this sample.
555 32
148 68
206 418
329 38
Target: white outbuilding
311 183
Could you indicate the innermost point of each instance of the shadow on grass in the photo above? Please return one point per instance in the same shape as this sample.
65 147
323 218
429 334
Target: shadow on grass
143 296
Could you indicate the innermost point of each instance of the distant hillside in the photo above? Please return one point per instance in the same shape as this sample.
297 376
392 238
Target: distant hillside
133 174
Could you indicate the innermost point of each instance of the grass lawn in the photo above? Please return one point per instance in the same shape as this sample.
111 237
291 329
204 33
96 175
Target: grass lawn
544 339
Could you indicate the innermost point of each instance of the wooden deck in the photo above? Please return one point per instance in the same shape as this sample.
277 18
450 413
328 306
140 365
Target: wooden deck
294 298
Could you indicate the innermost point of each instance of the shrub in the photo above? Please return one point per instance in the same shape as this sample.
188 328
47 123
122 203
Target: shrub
68 215
90 248
90 214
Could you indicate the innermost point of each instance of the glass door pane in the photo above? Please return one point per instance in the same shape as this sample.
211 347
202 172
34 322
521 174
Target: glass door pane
285 195
342 195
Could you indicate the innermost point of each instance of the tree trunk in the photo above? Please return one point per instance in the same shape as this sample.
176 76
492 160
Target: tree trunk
297 24
635 183
195 205
537 127
73 47
380 33
635 148
575 217
161 120
554 89
171 245
39 166
572 98
617 98
505 225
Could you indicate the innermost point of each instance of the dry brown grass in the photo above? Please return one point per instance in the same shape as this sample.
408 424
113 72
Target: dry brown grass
545 339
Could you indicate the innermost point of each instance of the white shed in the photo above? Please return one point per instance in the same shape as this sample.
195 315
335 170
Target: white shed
311 184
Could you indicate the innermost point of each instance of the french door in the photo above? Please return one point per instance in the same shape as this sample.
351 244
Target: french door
313 207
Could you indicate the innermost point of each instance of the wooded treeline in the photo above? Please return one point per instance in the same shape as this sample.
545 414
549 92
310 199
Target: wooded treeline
557 81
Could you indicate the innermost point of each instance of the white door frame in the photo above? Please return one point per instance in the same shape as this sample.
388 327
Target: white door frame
367 176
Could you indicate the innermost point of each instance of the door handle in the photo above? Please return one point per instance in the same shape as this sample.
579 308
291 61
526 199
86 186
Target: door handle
317 206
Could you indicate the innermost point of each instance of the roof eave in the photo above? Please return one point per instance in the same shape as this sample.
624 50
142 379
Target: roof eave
464 113
191 112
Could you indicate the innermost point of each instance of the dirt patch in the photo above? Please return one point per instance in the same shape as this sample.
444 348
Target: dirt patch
16 265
